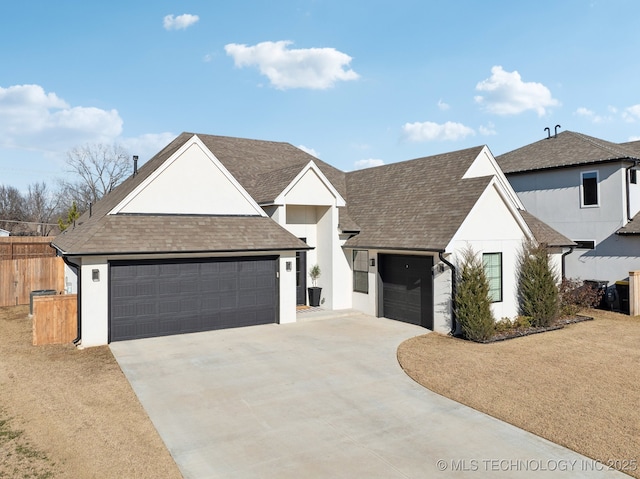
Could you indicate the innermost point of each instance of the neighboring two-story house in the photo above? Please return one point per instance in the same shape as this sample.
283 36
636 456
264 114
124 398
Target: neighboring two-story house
588 189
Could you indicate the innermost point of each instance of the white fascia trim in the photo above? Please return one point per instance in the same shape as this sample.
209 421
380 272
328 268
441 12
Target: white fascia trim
513 197
280 199
510 206
194 140
515 211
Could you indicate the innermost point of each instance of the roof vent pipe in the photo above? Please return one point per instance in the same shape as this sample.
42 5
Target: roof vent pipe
135 165
555 130
548 130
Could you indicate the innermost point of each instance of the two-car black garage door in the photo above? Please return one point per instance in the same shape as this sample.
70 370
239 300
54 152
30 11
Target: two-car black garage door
160 298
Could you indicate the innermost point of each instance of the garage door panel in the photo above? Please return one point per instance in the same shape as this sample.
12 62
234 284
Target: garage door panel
189 286
407 288
211 302
147 271
146 288
174 297
168 306
146 309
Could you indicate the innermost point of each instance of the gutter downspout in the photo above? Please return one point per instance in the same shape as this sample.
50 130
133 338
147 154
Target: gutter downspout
627 180
454 325
78 270
571 248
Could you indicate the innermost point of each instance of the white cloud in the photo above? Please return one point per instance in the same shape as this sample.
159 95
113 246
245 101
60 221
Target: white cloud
429 131
180 22
311 151
31 118
443 106
315 68
592 116
369 163
488 130
582 111
634 138
631 113
507 94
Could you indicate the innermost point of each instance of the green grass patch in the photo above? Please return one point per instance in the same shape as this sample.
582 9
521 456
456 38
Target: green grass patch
20 460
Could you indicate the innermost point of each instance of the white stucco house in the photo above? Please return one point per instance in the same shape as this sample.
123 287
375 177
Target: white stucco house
216 232
588 190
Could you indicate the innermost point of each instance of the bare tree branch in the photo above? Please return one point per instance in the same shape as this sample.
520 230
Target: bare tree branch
42 205
12 209
99 168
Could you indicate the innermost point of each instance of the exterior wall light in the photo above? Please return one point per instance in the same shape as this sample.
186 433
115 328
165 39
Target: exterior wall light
288 265
95 275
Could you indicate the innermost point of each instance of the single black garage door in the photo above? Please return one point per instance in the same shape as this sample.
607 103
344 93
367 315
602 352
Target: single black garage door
160 298
407 288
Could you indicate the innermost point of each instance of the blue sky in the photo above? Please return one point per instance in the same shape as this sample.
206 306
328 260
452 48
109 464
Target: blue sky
356 83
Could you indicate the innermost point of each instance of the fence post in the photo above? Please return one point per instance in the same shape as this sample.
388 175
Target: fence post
634 293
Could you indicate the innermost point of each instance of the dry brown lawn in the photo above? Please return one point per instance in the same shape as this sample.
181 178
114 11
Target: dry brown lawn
578 387
69 413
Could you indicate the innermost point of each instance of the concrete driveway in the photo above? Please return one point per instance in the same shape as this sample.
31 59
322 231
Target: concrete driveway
321 399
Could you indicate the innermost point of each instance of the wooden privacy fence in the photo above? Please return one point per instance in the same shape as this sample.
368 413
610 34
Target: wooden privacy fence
18 277
21 247
55 319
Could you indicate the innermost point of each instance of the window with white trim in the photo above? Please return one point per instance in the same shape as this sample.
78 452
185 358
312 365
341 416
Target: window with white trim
493 270
361 271
589 190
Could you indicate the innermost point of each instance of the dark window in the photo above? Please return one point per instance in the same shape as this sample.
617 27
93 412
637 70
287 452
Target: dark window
493 270
590 188
633 176
361 271
585 244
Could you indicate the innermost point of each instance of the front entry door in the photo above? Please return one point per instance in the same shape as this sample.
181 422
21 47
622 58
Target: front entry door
301 276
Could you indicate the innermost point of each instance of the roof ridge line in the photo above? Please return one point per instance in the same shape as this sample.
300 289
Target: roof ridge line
592 141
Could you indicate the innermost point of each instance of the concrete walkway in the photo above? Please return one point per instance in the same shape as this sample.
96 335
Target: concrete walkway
321 399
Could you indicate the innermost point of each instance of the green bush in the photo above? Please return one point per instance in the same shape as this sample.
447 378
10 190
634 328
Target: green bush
472 301
537 285
503 325
522 322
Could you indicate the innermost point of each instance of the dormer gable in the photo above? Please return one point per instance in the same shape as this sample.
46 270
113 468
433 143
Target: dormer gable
310 187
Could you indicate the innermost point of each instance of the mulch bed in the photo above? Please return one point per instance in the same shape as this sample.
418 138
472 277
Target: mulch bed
520 332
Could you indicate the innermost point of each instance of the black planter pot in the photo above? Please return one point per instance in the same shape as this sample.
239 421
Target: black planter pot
314 295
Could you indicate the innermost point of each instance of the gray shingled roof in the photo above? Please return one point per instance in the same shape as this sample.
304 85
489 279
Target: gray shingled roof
97 232
633 146
265 168
416 205
125 234
632 227
567 149
545 234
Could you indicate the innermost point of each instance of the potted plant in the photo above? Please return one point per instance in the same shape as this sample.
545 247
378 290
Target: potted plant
314 292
